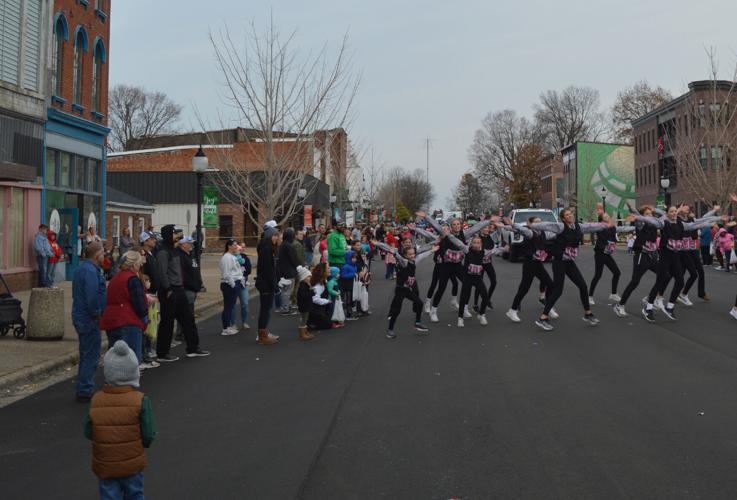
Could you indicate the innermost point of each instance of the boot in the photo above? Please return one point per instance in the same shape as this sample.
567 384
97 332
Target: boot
265 338
304 333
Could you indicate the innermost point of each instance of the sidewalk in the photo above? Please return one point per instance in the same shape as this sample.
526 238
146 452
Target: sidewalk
26 361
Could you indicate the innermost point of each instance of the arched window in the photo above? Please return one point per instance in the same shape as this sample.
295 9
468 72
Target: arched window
80 47
97 61
61 34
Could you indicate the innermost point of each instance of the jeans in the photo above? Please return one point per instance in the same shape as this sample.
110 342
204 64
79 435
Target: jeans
308 259
43 270
230 296
122 488
243 297
131 335
264 313
50 273
89 356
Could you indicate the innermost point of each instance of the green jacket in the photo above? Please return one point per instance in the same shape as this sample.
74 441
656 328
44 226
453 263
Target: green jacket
299 251
333 288
148 427
336 249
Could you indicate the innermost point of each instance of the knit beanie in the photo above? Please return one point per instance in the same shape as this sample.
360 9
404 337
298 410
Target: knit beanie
120 365
303 273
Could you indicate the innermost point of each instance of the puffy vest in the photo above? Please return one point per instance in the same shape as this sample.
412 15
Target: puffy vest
119 310
117 448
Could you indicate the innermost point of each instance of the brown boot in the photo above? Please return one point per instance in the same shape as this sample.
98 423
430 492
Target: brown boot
304 333
265 338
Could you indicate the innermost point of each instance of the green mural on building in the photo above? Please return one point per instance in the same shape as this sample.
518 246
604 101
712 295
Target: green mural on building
606 170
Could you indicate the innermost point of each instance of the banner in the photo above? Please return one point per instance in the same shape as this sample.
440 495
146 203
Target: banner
308 216
350 218
210 207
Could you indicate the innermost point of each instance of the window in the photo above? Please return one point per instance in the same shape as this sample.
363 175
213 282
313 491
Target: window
716 157
100 5
65 170
702 116
80 47
715 110
79 173
116 230
14 217
93 175
226 226
51 179
61 33
702 156
141 225
97 61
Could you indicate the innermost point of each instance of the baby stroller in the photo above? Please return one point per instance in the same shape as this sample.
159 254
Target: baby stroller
11 313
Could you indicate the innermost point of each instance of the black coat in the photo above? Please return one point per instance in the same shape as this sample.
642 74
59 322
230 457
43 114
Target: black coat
267 275
191 276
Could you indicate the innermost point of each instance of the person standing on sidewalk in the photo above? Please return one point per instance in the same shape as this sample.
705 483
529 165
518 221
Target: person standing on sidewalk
55 258
288 262
245 262
150 268
337 246
43 252
126 312
232 281
174 304
88 302
267 277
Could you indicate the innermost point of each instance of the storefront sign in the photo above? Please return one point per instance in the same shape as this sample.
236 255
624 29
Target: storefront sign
210 207
308 216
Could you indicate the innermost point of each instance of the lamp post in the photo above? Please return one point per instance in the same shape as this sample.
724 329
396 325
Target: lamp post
199 166
301 195
603 192
665 184
529 197
333 199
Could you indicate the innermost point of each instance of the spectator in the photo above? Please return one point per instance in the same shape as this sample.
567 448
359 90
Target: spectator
174 304
91 236
336 244
43 251
88 302
309 248
55 258
126 313
231 284
288 262
150 268
266 280
126 242
304 302
356 234
300 248
706 239
120 424
191 275
245 263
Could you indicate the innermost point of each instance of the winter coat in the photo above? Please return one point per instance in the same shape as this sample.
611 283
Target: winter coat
288 260
267 274
726 241
191 275
126 302
169 262
55 250
349 268
231 271
41 245
88 295
336 248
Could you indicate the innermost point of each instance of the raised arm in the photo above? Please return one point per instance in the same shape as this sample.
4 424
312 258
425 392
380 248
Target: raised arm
701 223
458 243
424 255
625 229
653 221
593 227
552 227
424 234
476 228
711 213
387 248
433 223
523 230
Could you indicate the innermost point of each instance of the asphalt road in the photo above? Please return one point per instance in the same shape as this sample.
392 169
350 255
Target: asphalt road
623 410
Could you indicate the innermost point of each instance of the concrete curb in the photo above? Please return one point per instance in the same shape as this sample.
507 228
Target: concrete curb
42 370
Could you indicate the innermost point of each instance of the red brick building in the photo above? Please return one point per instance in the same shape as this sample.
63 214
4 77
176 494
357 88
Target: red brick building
551 179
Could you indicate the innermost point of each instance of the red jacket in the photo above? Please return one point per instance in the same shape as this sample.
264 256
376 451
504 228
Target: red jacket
119 311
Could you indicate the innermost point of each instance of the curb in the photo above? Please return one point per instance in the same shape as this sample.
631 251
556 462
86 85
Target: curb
34 373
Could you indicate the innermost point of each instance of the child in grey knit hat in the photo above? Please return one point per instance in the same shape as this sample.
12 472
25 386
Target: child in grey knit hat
120 424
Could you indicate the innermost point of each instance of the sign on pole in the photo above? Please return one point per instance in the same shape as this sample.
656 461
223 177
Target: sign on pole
308 216
210 207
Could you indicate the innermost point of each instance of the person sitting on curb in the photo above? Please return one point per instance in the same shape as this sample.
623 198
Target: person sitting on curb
120 424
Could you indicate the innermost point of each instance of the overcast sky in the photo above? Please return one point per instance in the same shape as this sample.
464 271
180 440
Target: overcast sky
435 69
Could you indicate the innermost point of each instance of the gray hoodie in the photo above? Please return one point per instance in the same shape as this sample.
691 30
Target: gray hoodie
170 267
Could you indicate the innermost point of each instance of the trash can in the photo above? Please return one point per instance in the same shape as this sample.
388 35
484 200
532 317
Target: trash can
46 314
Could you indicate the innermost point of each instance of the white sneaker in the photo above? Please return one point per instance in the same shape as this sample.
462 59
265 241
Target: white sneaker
615 297
683 299
454 303
718 268
228 332
553 313
619 310
512 314
428 305
591 301
659 304
246 326
482 319
434 314
466 312
460 323
733 313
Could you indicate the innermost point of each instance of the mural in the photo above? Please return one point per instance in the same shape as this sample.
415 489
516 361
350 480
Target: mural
608 171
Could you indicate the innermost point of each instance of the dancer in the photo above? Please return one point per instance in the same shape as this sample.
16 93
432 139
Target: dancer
473 266
452 263
606 244
438 261
406 287
670 263
569 234
487 242
692 262
534 251
645 258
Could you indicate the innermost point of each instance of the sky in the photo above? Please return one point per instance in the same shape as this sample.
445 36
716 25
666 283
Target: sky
433 69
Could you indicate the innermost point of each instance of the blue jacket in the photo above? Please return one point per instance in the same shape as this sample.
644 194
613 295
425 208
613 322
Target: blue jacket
705 236
349 268
88 294
42 246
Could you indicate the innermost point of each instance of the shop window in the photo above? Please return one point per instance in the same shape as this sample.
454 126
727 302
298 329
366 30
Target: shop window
16 216
116 230
65 167
51 168
79 173
226 226
93 176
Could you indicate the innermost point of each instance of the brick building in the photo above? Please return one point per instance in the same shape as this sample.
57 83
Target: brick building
76 127
123 210
683 126
551 180
24 39
162 175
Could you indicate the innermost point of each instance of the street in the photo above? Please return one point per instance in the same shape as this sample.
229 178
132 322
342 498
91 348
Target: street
626 409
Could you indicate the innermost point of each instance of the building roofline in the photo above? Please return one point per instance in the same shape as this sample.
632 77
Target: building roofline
693 86
169 148
596 142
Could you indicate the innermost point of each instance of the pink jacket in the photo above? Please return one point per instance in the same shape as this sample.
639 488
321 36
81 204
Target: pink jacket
726 240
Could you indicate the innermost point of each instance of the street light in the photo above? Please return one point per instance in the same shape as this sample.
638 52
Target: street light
665 184
603 192
200 164
333 199
529 197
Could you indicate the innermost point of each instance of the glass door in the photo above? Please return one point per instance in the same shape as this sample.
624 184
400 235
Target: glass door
69 239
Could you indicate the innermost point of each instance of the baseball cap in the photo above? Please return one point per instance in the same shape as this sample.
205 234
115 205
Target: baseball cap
187 239
145 235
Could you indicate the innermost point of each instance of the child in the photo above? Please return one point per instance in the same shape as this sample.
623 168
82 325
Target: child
120 425
304 302
630 243
54 259
321 309
347 276
473 277
149 334
334 290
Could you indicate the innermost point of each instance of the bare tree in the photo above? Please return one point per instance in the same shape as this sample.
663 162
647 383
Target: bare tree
496 148
138 114
632 103
468 195
295 106
374 179
700 140
411 189
570 115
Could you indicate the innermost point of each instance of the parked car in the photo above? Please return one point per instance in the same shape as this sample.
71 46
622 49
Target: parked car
520 216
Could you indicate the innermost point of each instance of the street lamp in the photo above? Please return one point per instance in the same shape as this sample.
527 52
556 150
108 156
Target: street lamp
333 199
200 164
665 184
529 197
603 192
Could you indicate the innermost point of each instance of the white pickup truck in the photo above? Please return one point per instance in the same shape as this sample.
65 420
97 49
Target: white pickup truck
520 216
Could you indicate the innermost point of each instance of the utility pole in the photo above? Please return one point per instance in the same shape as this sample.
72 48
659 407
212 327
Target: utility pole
427 148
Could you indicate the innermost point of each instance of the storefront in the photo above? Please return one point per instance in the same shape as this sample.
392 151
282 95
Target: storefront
74 180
